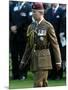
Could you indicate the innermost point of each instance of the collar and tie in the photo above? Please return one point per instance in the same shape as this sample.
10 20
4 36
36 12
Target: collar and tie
18 6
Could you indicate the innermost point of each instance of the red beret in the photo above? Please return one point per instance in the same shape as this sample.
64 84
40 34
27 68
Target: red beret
37 6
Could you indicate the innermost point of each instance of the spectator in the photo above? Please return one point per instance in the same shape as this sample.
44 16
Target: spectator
53 15
18 26
62 36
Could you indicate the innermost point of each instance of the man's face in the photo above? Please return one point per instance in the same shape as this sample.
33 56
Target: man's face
36 14
54 5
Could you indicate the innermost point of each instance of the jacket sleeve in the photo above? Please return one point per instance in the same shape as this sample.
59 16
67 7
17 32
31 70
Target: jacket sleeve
55 46
27 52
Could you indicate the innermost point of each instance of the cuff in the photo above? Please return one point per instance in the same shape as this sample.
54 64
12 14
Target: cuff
58 63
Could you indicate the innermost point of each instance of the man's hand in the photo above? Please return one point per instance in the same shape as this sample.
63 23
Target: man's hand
14 29
58 67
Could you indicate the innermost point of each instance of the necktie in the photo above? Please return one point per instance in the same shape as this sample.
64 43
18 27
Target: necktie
53 11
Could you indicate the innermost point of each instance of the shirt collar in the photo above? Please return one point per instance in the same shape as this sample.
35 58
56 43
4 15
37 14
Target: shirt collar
41 20
36 21
56 8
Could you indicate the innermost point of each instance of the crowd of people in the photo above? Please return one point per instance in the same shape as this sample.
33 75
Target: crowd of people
20 17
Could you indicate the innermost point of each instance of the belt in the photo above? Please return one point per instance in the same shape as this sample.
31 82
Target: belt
40 48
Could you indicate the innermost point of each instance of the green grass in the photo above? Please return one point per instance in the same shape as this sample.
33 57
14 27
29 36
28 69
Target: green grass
28 83
21 84
16 84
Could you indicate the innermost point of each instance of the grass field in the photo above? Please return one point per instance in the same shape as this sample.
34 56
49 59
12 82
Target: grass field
28 83
16 84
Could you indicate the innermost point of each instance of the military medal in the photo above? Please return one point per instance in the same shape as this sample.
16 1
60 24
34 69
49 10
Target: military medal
41 32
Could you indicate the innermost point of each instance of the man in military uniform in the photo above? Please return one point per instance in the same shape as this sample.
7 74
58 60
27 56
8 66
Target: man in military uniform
40 34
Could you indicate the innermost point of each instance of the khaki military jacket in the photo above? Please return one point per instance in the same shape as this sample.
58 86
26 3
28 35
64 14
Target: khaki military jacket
39 39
